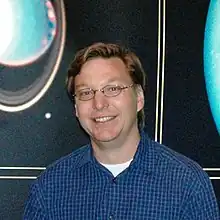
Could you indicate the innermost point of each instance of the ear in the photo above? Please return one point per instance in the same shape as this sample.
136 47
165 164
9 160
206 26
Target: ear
76 112
140 98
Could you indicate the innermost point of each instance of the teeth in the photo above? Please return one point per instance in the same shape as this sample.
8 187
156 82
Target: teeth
103 119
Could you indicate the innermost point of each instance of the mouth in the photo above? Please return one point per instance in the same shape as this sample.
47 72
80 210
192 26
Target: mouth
104 119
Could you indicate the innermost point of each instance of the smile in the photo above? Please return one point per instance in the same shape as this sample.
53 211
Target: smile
104 119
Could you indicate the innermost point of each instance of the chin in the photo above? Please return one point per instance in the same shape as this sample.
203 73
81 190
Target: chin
105 136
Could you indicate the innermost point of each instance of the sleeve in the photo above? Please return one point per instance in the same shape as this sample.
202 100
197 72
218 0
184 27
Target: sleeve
202 204
35 206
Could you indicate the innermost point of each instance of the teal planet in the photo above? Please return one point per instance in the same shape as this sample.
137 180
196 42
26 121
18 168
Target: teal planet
212 59
28 28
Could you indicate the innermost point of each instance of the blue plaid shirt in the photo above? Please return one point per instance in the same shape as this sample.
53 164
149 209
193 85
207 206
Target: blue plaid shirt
159 184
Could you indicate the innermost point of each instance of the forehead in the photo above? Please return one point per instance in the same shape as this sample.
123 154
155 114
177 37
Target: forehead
101 70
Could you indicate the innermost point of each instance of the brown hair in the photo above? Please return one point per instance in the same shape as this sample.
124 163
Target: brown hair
107 50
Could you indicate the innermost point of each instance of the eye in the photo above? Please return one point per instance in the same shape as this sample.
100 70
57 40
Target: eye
87 92
113 88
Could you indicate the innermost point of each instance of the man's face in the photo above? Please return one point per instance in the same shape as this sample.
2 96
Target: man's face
107 118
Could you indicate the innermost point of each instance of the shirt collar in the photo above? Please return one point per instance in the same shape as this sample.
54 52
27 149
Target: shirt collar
145 155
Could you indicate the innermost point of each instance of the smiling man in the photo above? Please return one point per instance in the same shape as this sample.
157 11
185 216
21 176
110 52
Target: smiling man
108 114
121 174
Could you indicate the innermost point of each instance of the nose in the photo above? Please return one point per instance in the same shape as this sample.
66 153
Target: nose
100 101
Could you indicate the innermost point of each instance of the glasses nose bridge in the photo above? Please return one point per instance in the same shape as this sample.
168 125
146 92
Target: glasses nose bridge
99 90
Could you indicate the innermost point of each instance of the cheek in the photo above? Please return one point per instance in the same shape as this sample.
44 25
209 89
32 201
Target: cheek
82 110
127 104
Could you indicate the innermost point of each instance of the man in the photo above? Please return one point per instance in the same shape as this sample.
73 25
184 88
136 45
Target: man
121 174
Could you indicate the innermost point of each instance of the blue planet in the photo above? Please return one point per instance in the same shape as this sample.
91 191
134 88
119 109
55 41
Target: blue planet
212 59
28 28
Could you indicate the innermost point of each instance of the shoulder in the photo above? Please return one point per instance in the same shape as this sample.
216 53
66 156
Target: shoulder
66 164
180 165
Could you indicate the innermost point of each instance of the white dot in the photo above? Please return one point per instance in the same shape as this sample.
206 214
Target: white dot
48 115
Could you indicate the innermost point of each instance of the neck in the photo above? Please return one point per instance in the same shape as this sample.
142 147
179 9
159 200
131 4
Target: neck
117 151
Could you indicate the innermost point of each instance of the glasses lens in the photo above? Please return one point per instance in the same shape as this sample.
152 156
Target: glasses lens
112 90
85 94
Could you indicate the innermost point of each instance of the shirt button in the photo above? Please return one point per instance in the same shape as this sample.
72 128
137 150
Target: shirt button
110 217
114 180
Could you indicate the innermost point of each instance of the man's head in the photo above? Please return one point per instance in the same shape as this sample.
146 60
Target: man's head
101 65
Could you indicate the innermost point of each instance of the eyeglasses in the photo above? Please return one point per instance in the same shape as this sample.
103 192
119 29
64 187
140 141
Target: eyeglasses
109 91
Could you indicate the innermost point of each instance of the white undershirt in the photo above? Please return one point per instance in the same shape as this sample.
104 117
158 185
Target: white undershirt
115 169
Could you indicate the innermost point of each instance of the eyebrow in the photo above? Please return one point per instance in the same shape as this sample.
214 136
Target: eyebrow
106 83
81 85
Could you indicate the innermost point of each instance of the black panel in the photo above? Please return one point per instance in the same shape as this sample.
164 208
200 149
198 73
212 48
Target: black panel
13 195
188 123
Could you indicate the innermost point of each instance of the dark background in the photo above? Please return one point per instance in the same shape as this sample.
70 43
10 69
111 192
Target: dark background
28 139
